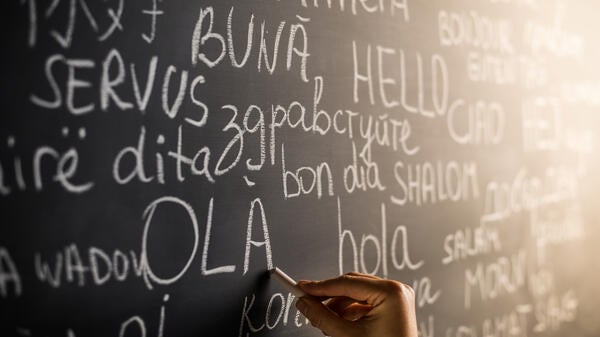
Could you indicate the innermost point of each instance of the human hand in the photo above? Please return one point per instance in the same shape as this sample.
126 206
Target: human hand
360 305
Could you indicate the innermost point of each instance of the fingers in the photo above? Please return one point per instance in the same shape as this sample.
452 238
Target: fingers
355 311
363 275
360 288
348 308
358 305
338 304
322 318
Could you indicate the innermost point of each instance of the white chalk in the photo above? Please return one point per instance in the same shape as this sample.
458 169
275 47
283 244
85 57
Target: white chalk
287 281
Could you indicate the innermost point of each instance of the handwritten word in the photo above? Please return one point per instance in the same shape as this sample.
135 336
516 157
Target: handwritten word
382 131
255 206
398 248
552 39
305 179
197 164
475 30
363 74
102 267
429 183
465 243
503 276
204 32
488 68
485 122
552 312
115 76
527 193
71 266
75 11
277 313
48 165
547 227
363 175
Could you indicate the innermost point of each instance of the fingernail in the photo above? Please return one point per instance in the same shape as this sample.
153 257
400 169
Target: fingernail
301 304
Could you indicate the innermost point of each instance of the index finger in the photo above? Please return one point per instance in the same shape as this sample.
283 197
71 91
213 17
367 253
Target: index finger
368 290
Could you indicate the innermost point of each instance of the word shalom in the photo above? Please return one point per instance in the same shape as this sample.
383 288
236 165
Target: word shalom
430 183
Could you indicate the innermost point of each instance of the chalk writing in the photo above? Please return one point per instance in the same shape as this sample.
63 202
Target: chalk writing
157 157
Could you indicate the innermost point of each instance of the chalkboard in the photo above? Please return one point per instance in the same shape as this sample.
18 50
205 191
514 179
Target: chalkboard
158 156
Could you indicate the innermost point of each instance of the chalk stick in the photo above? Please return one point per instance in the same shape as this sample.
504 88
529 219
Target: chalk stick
287 281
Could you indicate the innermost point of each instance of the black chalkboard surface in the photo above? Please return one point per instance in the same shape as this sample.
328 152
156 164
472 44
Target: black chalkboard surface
157 157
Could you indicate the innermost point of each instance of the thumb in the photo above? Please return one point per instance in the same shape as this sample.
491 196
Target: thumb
322 317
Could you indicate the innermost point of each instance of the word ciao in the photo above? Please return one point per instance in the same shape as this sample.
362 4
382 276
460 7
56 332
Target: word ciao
99 267
476 123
